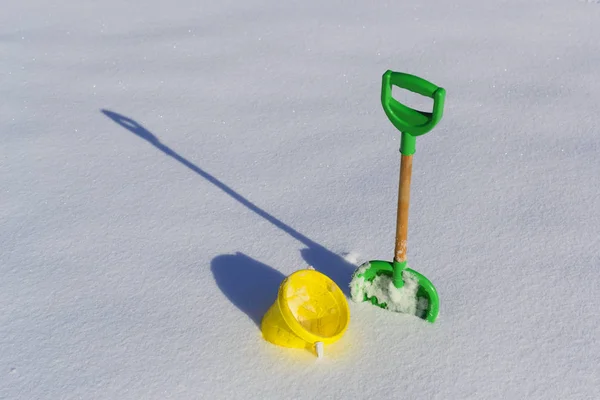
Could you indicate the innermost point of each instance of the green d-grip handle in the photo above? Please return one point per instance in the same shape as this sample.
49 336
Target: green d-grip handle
411 122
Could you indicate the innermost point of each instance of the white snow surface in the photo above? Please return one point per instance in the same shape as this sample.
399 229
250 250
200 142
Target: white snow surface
382 287
164 165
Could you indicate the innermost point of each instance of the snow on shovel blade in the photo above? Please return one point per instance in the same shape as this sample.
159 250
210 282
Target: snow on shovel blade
373 282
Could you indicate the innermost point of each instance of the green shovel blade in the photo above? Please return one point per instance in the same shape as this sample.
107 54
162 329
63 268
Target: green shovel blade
426 294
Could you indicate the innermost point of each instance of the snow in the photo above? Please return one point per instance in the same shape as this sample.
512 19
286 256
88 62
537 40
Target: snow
164 165
382 287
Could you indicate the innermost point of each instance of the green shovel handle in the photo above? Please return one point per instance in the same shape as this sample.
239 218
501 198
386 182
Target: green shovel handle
411 122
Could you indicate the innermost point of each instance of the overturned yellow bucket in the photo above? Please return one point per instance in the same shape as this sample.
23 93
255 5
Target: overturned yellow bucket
310 311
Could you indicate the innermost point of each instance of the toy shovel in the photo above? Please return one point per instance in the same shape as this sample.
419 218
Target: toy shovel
392 285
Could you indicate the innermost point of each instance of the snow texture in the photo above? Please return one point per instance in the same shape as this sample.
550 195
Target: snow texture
164 166
382 287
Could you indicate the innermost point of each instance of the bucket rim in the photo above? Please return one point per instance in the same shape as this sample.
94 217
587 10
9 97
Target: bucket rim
293 323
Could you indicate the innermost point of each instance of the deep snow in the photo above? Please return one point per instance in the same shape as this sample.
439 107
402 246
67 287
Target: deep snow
164 165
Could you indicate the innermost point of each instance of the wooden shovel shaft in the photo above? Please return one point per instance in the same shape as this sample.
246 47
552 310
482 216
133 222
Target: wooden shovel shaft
403 202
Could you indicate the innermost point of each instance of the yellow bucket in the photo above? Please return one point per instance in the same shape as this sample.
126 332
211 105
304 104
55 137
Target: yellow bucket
310 308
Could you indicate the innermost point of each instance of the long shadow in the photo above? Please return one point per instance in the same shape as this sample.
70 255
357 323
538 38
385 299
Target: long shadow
314 254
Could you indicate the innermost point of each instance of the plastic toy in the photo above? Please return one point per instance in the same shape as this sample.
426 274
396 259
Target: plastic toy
310 311
392 285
